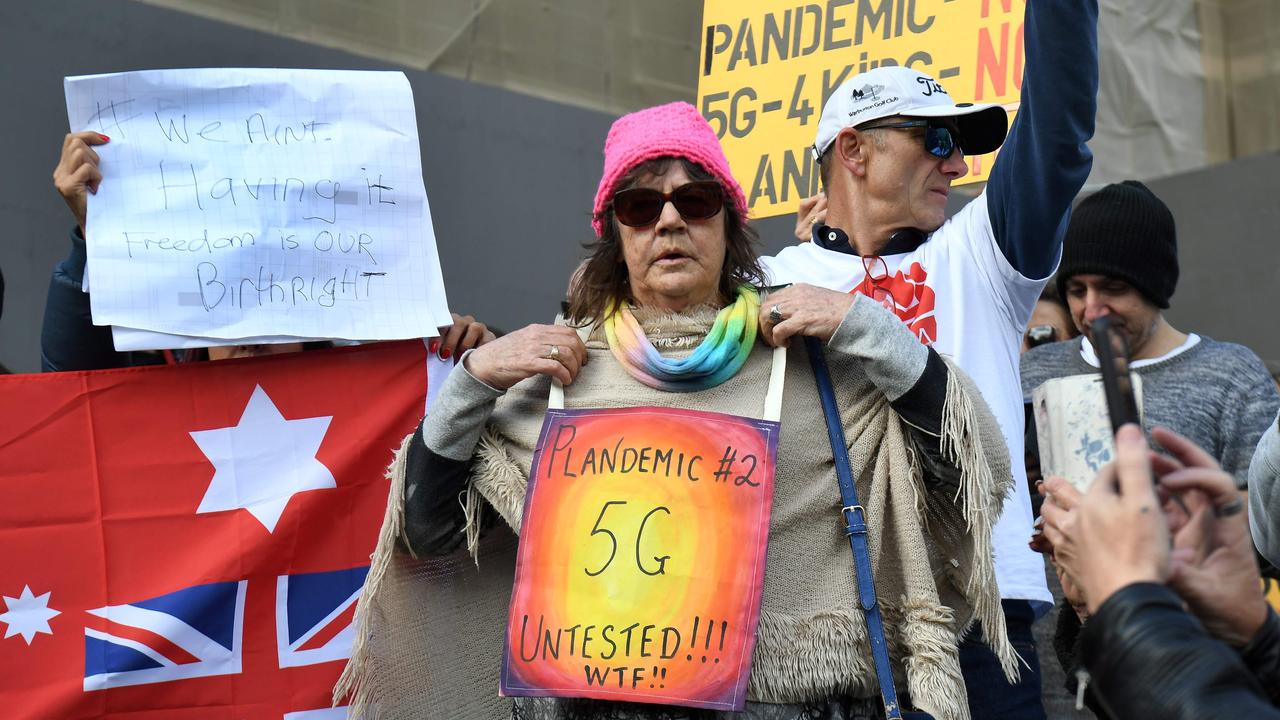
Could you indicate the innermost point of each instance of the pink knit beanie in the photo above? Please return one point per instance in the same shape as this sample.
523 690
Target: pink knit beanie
673 130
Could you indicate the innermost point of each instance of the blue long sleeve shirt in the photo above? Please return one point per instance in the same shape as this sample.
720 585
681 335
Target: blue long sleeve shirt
1044 162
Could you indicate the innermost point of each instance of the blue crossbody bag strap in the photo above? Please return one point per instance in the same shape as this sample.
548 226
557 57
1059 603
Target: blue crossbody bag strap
855 517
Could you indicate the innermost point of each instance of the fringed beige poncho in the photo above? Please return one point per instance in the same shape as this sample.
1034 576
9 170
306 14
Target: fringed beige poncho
431 634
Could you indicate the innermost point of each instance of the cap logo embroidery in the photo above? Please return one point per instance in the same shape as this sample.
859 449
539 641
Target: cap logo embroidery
862 92
878 103
931 86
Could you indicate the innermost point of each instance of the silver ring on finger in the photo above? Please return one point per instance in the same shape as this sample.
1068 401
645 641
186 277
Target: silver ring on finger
1235 507
775 315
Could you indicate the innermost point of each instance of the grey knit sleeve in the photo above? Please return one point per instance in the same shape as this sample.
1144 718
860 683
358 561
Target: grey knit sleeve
1251 407
438 463
1264 494
891 356
459 413
911 375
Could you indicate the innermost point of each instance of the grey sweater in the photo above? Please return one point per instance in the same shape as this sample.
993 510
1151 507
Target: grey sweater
1219 395
1264 496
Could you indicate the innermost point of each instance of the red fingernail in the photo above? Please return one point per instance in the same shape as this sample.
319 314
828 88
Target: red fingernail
444 353
104 137
433 346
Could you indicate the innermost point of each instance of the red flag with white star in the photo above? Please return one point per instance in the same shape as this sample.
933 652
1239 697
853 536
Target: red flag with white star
188 542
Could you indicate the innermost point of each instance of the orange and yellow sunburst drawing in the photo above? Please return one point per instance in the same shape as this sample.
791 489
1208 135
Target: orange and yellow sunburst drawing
641 559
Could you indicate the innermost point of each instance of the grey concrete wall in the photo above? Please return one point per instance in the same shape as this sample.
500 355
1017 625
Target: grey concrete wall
510 177
1228 222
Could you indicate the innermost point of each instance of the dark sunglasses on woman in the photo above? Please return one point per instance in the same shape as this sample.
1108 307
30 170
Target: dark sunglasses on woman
641 207
939 140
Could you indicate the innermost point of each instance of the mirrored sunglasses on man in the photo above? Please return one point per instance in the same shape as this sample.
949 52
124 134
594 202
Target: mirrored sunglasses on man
939 140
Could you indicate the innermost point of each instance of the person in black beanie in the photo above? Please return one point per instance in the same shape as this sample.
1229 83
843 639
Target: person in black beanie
1124 232
1120 260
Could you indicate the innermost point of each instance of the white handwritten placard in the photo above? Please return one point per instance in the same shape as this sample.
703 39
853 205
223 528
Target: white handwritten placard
248 203
1073 428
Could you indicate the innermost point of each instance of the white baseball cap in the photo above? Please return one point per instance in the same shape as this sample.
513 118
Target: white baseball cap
895 90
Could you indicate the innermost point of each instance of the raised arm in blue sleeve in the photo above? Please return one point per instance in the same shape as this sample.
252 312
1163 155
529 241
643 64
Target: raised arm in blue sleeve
1044 162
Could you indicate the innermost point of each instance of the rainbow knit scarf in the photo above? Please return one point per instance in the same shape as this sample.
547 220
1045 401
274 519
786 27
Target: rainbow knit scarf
716 359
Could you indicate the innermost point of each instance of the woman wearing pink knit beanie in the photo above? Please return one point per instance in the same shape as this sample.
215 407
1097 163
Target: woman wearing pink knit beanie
662 355
652 142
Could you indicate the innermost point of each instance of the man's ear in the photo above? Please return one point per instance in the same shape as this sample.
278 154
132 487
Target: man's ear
852 151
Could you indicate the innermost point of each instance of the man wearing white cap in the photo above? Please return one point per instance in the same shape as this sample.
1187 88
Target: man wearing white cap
890 142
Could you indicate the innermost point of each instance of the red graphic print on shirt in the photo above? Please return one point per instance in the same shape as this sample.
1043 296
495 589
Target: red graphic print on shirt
907 296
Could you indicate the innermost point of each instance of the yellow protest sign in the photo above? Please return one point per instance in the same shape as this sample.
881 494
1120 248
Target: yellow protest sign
766 69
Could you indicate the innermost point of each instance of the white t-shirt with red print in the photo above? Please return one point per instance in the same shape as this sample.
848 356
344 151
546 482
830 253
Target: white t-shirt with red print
958 293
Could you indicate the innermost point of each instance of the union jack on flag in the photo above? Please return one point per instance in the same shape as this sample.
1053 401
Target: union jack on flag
190 542
189 633
315 614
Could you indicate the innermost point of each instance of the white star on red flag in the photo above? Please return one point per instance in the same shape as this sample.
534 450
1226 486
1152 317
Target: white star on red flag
263 460
28 615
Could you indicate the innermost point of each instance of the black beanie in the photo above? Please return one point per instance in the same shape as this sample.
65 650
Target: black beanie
1123 231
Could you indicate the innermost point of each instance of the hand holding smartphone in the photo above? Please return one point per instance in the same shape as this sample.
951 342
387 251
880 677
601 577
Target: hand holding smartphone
1117 384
